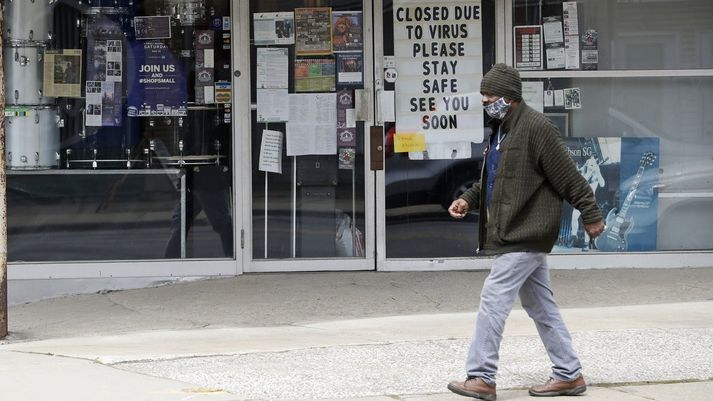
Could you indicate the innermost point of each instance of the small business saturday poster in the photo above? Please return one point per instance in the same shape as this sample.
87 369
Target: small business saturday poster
157 82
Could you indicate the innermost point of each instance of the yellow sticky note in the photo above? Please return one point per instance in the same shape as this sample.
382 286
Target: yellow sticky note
409 143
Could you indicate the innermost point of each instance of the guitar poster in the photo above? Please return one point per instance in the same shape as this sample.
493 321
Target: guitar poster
639 174
622 173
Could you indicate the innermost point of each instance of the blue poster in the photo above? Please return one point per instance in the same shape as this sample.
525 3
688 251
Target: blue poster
157 81
622 173
632 226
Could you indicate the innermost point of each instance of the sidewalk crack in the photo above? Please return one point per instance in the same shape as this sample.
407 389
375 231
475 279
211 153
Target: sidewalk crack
192 323
436 304
620 390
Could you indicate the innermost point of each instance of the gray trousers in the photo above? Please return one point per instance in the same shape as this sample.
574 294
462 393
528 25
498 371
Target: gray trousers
524 274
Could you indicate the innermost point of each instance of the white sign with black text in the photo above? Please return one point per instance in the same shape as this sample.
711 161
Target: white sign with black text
438 55
271 151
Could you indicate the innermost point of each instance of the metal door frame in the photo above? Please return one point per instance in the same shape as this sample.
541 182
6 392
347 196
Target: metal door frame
243 115
420 264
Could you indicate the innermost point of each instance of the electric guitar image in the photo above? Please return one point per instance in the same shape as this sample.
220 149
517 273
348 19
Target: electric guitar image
618 226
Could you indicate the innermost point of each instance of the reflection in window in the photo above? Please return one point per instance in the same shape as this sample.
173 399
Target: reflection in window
126 88
630 35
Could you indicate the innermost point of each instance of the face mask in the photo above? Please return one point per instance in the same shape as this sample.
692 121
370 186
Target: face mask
497 109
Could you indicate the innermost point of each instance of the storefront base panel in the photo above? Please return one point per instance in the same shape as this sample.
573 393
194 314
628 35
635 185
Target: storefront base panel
34 282
568 261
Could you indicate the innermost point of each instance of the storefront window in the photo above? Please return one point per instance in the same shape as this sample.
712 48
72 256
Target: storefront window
613 34
629 85
119 129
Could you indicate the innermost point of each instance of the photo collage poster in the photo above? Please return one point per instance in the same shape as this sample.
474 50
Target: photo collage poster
622 173
104 76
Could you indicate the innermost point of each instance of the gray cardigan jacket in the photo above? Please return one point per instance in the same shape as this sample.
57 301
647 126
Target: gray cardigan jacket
534 175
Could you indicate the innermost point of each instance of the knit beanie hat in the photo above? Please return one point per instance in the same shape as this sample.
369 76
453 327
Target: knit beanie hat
502 80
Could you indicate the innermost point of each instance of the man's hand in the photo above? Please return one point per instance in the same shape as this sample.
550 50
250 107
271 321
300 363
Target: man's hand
594 229
458 208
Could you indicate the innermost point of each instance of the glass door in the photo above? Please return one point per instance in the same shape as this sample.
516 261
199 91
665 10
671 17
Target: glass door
429 62
309 73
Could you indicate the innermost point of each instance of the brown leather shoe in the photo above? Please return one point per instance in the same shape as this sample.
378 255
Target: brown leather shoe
554 388
474 387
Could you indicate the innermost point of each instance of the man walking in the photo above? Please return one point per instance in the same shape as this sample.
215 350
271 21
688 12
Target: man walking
526 176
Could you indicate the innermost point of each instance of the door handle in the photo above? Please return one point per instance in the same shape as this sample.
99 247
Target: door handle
376 154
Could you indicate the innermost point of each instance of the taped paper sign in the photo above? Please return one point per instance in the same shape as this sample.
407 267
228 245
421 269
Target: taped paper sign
409 143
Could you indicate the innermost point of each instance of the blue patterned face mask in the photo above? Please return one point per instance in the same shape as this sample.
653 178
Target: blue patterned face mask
497 109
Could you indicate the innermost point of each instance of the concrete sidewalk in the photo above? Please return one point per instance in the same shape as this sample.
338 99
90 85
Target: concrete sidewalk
44 377
635 350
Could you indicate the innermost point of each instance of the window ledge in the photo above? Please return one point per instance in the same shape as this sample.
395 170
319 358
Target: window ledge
617 73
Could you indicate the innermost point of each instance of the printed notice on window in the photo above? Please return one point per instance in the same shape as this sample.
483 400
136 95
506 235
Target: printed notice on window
272 105
271 152
571 50
533 93
571 21
274 28
312 124
554 42
272 68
